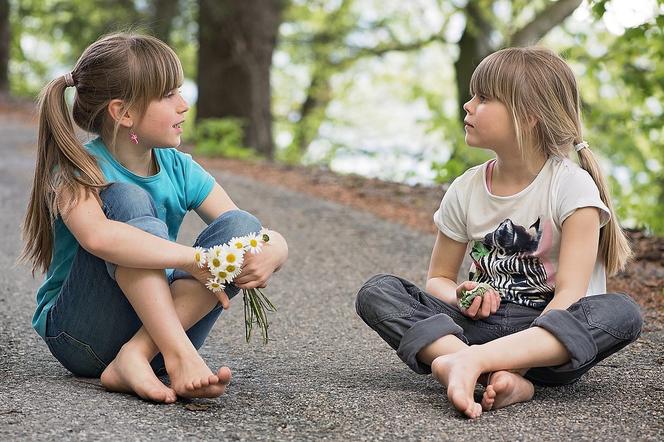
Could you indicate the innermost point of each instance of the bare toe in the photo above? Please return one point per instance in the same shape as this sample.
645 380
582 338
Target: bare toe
510 388
488 398
224 375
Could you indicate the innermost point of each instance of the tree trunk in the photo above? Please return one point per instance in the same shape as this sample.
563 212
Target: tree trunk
475 44
5 43
164 12
236 41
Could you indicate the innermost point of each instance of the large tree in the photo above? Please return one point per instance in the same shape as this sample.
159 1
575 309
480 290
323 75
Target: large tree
236 41
163 11
331 54
5 41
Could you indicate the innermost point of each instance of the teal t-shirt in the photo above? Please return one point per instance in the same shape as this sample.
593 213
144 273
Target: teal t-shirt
179 186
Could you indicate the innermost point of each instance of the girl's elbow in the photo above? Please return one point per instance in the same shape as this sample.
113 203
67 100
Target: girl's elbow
93 243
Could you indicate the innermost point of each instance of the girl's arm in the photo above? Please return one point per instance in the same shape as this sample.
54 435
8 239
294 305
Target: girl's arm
578 253
216 203
256 269
445 261
121 243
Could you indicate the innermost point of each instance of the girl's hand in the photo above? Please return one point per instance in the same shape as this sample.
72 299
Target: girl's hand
482 306
256 269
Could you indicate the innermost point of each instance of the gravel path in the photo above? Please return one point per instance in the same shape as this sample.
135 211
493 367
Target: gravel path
324 375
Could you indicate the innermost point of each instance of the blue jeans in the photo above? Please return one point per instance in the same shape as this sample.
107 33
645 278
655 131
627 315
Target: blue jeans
409 319
92 318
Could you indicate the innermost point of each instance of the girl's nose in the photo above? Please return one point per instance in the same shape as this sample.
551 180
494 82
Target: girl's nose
466 106
184 106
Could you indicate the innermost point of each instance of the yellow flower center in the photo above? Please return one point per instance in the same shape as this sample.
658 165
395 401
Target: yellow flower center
222 274
216 262
253 243
230 268
230 257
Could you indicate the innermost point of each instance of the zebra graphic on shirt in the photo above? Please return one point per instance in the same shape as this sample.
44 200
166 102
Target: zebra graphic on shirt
504 259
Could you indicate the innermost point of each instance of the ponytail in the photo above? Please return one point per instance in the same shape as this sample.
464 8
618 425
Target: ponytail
63 166
614 248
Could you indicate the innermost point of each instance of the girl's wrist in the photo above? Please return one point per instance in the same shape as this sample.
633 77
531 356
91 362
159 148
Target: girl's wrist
187 259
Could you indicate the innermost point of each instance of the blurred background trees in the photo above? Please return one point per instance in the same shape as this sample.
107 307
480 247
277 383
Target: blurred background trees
372 86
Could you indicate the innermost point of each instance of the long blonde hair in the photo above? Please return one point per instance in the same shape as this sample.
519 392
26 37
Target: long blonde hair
536 84
133 68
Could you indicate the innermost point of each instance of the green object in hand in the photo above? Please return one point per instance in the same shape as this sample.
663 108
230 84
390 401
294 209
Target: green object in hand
468 295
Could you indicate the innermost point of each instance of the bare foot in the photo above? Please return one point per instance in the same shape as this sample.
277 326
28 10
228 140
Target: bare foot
130 372
190 377
506 388
459 374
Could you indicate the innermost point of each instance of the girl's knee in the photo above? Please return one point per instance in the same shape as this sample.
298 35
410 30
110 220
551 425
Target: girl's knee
239 221
379 296
125 201
228 225
617 313
630 317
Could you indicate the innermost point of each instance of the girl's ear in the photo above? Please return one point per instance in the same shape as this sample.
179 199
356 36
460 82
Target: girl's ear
532 122
119 114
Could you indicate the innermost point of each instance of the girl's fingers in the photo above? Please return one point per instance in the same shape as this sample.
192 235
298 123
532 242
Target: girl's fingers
474 308
486 306
494 304
223 299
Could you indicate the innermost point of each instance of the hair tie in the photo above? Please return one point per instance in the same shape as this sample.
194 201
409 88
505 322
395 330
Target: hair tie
581 145
69 79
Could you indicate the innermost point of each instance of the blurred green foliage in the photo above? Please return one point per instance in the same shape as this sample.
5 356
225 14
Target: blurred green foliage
325 44
623 100
222 137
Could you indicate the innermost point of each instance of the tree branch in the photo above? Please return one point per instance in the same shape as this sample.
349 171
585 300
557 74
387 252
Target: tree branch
546 20
382 49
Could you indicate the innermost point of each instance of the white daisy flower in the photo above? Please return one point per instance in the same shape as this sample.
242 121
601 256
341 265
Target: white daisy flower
254 244
215 250
223 275
232 256
214 262
214 285
232 270
199 256
238 243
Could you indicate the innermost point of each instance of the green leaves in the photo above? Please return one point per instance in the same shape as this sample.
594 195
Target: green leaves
222 137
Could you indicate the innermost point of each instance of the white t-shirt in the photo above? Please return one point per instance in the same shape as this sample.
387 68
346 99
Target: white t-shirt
514 241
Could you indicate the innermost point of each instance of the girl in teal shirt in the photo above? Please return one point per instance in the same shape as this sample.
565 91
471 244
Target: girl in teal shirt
121 299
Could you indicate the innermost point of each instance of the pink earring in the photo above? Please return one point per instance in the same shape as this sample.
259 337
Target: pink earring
133 136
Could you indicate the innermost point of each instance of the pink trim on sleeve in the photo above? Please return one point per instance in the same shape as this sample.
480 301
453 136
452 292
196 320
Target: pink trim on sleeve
489 174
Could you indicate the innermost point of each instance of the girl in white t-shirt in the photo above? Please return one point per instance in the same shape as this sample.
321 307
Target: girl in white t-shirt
532 224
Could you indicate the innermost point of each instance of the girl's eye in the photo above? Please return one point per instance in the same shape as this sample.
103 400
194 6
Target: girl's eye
482 98
172 93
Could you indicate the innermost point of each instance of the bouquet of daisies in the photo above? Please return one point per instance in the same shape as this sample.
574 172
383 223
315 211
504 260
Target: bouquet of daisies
224 262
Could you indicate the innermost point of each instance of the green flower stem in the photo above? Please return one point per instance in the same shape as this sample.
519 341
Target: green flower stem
256 304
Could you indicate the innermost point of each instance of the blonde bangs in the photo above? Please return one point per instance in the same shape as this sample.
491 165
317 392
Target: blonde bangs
155 70
496 76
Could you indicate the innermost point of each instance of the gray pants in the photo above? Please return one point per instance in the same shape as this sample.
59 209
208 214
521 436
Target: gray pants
409 319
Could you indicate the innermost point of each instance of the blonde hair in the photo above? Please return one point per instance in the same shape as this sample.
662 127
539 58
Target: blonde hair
537 86
133 68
